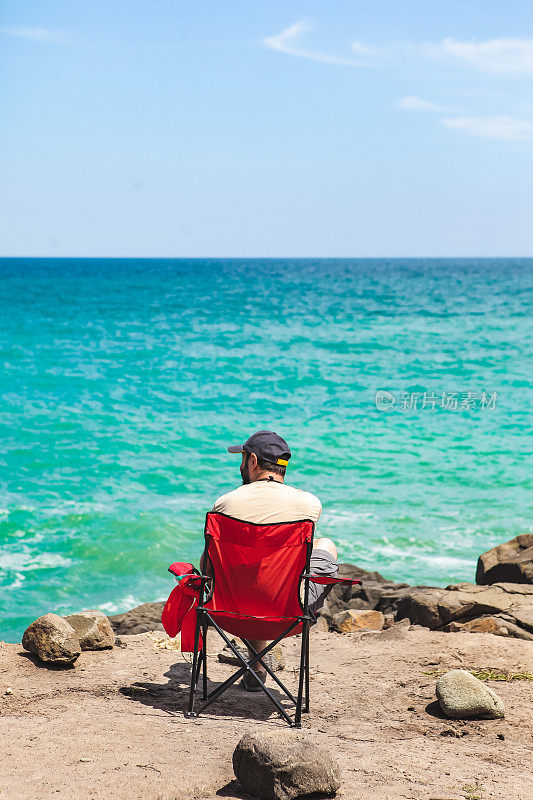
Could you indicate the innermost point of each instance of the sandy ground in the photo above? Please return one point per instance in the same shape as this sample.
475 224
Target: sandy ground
113 726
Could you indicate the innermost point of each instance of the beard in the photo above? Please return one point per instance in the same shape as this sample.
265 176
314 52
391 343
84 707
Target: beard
245 473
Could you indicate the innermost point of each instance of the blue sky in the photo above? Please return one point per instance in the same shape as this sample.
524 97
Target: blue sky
228 128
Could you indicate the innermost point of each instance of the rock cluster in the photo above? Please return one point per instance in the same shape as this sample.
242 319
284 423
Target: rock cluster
462 603
501 602
281 765
504 608
58 641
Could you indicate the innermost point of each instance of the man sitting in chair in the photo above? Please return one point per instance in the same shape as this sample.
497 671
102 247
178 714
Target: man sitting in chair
264 498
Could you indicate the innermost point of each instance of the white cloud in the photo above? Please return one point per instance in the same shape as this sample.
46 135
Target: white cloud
413 103
364 50
36 35
494 55
492 127
288 41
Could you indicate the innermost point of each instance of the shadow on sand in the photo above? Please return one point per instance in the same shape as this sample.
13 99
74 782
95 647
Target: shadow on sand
172 697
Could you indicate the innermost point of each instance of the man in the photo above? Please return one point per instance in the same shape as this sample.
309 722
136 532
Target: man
265 498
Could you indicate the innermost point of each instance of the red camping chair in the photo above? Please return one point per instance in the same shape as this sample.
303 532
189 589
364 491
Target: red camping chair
255 594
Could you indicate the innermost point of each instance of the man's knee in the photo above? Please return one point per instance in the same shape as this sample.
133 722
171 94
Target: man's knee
326 544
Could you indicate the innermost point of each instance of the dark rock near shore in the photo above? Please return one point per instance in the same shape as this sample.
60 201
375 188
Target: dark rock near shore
510 603
366 597
456 607
281 765
141 619
511 562
52 640
393 595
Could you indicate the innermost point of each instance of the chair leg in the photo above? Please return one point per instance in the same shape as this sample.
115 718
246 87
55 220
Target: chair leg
198 669
195 668
248 666
298 713
306 703
204 661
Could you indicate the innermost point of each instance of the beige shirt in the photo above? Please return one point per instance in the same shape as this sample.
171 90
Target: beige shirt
267 501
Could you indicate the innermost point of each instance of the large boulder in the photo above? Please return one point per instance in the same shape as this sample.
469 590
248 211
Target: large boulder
421 607
93 630
141 619
511 562
461 696
280 765
52 640
393 594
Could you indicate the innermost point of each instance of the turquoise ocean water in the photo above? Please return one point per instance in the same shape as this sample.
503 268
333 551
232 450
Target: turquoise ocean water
122 382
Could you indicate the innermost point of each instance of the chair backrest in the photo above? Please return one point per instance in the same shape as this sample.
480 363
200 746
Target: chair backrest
257 568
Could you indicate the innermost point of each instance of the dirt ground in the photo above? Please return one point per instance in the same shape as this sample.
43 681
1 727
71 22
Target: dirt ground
113 726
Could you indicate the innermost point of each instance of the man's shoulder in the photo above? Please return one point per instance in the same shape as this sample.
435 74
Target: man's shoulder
302 495
239 491
260 502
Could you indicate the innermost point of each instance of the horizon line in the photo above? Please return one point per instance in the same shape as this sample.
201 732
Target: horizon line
257 258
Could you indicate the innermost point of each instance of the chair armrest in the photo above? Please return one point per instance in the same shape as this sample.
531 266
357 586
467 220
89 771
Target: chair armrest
181 568
324 580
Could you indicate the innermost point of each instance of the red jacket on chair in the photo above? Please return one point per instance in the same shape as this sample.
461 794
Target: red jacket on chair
179 611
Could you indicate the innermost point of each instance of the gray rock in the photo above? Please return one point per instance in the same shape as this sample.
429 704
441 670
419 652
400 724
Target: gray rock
421 607
280 765
93 630
513 600
437 608
365 597
141 619
372 591
52 640
274 659
392 596
461 696
523 616
511 562
340 596
399 630
358 604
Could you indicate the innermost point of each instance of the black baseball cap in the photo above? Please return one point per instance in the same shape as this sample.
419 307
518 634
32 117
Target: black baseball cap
266 445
